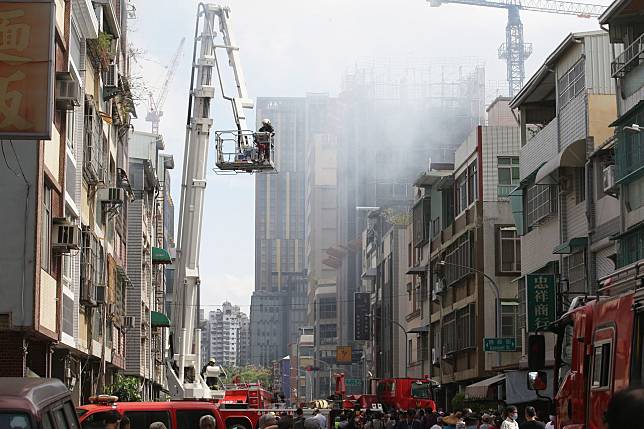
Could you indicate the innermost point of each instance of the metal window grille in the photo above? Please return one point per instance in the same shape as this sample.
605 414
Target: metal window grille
540 203
575 269
458 259
571 83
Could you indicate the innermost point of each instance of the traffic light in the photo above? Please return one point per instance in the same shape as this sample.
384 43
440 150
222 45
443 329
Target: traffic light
536 352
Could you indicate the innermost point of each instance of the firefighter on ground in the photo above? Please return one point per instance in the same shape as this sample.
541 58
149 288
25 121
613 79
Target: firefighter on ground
264 140
211 373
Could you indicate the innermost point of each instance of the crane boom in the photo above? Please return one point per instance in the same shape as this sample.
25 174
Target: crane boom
182 369
547 6
155 104
172 69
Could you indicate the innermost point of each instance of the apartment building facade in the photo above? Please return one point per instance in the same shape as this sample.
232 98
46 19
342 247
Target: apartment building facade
73 246
224 334
146 258
563 212
383 277
626 180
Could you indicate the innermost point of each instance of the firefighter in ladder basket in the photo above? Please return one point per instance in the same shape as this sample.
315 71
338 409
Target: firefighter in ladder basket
264 140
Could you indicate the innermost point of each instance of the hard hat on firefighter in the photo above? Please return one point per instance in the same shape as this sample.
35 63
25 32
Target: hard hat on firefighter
266 121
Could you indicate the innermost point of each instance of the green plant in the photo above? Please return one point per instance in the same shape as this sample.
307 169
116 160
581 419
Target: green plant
126 388
458 401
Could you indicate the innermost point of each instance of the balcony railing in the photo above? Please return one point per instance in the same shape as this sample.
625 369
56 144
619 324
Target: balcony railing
629 59
503 191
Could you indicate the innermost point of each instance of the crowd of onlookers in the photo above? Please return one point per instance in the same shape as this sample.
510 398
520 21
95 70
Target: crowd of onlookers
410 419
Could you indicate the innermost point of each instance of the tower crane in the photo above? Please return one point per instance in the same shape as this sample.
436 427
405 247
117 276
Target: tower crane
514 51
155 106
183 364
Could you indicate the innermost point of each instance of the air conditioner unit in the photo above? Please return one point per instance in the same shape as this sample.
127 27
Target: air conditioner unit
111 195
100 294
65 237
68 94
111 76
608 179
128 322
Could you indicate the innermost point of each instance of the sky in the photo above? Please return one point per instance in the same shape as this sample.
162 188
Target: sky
289 48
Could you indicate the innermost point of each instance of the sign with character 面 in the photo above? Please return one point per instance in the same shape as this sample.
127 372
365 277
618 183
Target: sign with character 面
26 69
540 301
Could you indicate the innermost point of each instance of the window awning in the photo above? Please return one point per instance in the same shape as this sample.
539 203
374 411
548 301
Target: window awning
529 179
573 155
570 246
481 389
160 256
159 320
418 270
625 117
420 330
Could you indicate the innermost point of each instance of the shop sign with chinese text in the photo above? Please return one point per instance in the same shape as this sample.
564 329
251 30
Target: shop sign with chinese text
26 69
540 301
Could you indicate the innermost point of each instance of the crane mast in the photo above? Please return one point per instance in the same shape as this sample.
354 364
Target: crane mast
514 50
184 378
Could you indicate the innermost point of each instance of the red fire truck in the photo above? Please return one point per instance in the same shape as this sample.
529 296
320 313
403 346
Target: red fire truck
393 393
406 393
246 395
599 350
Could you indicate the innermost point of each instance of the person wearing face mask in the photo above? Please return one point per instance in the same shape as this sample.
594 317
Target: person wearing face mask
511 416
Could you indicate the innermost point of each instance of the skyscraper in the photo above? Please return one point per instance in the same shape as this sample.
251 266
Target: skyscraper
279 230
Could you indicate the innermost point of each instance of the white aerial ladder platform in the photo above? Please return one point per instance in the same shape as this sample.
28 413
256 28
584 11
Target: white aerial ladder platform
239 150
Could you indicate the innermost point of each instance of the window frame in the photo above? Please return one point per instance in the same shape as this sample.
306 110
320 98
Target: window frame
515 315
601 344
499 239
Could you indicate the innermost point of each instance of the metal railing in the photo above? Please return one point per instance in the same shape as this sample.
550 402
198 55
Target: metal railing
244 150
503 191
629 59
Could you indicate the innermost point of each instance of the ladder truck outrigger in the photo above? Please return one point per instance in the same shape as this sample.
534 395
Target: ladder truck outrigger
237 150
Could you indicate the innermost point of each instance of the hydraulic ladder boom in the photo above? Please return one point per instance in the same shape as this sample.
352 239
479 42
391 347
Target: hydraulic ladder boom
183 366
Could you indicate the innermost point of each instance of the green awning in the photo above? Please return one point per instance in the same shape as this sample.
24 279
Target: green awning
529 179
627 116
570 246
160 256
159 320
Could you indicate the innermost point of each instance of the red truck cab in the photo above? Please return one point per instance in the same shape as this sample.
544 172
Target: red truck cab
406 393
599 351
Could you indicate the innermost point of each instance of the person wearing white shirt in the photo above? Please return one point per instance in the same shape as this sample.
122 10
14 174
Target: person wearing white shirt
511 416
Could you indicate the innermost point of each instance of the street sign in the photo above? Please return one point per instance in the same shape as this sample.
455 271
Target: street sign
343 354
499 344
361 321
353 382
540 300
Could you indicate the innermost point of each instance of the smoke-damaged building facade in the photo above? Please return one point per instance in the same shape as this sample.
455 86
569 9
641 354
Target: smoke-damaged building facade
394 122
